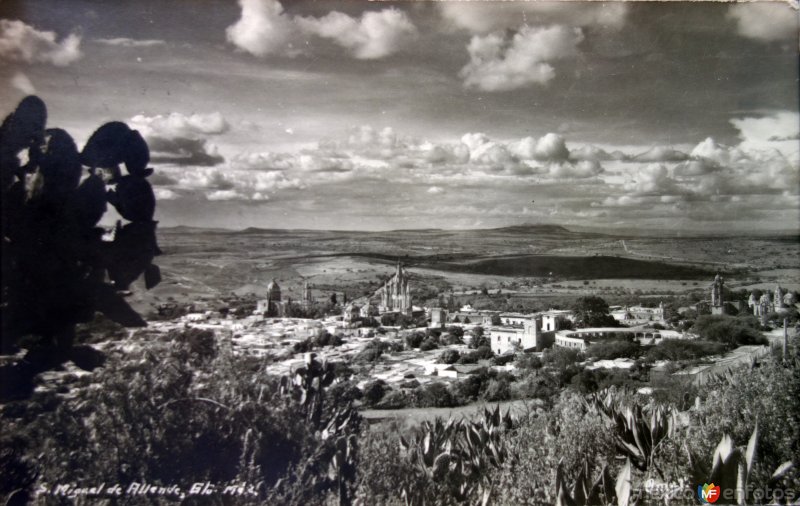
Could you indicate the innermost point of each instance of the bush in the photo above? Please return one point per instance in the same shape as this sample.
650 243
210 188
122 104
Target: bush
609 350
729 330
449 356
374 392
414 340
157 418
434 395
497 390
428 344
503 359
674 349
482 353
561 358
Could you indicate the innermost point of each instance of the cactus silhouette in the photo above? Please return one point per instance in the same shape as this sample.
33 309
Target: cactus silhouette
55 259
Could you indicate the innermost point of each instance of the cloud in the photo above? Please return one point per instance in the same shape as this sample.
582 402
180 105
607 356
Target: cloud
165 194
591 153
179 125
21 82
660 154
374 35
126 42
582 170
435 190
24 43
263 29
551 147
159 178
183 151
182 140
765 21
766 130
652 179
500 63
484 17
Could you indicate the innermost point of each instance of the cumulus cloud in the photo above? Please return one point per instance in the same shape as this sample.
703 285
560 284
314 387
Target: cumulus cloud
484 17
183 151
435 190
591 153
126 42
581 170
375 35
23 43
652 179
182 140
660 154
500 63
179 125
21 82
265 29
165 194
765 21
766 131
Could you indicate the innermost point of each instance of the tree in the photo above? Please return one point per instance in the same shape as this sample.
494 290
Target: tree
592 311
729 330
55 261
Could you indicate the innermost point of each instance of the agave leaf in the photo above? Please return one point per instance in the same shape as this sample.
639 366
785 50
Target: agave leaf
750 454
623 485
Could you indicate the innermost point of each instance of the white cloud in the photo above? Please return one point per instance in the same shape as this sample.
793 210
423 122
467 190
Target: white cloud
551 147
652 179
498 63
772 131
483 17
21 82
225 195
165 194
263 29
126 42
766 21
177 125
24 43
582 170
435 190
374 35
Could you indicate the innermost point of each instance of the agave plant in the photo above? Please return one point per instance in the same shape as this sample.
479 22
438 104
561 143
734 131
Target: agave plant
458 454
333 465
731 469
637 432
604 490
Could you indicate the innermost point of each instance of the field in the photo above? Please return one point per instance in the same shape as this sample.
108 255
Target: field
527 261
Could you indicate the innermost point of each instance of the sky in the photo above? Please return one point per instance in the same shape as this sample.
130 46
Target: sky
679 117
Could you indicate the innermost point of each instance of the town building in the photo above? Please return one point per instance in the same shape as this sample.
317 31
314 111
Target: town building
523 332
396 293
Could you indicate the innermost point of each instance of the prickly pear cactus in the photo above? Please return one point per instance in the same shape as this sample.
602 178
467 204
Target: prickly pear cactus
59 266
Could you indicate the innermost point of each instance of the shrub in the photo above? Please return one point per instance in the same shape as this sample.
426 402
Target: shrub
673 349
497 390
449 356
609 350
434 395
560 358
729 330
414 339
374 392
428 344
503 359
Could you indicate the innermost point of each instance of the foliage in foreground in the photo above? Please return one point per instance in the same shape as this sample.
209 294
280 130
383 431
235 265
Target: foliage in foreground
180 416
